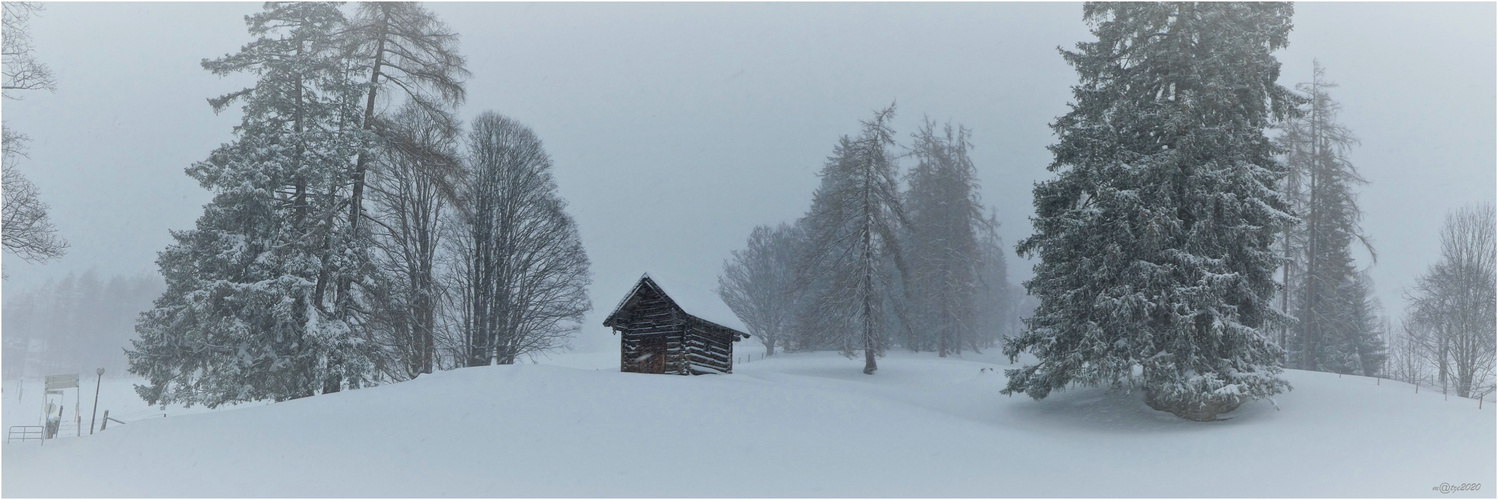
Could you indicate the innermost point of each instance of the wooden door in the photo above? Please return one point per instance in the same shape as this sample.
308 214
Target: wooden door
653 349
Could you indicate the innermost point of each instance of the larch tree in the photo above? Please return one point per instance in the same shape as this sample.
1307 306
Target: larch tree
1329 296
852 231
521 271
809 329
242 318
997 299
405 50
946 220
1155 237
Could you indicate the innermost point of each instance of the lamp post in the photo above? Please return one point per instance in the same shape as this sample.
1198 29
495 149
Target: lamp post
95 417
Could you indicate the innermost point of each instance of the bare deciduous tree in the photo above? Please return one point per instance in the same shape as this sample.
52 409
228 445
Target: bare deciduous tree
410 188
758 283
22 70
1453 304
522 273
27 231
1406 361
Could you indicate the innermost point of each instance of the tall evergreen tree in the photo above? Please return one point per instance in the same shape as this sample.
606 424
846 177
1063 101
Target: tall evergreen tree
244 317
808 328
946 218
852 226
998 299
1329 296
1155 235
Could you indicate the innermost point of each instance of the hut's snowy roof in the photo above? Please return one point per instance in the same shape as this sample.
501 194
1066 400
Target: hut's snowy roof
704 304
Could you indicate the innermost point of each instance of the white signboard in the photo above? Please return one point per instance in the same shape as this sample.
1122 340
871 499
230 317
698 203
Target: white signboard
69 381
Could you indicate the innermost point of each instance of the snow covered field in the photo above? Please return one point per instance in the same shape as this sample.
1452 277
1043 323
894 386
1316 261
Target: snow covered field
807 424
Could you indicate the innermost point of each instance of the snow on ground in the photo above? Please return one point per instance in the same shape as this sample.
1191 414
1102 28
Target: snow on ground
805 424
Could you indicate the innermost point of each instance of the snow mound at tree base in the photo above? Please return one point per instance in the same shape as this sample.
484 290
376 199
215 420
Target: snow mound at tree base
1206 411
803 425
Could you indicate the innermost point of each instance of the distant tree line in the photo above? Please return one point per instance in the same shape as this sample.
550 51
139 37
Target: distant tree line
1447 336
74 324
357 235
872 265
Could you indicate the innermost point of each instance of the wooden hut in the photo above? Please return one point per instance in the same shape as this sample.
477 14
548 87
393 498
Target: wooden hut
690 334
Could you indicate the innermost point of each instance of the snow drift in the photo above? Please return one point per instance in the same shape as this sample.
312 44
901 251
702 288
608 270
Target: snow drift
793 425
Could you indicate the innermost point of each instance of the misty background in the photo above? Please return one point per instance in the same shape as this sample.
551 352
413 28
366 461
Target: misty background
676 128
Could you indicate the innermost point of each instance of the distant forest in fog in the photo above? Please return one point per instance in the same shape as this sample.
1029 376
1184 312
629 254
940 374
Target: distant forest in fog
76 324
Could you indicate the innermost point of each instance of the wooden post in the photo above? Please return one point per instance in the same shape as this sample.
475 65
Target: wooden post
95 416
106 421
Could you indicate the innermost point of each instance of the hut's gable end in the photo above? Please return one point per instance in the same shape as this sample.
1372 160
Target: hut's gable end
650 331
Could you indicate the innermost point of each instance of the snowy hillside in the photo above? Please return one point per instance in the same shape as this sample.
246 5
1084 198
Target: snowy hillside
792 425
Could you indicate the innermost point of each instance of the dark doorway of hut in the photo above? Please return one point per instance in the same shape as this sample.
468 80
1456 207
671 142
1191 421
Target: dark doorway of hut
653 350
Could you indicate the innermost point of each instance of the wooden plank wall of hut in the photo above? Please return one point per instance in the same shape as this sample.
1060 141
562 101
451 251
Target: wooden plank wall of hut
710 349
651 315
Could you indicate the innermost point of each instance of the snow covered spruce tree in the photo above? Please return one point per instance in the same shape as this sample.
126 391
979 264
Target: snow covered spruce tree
1330 297
521 272
758 283
1155 235
246 314
852 226
946 218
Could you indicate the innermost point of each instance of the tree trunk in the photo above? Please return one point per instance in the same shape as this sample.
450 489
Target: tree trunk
361 163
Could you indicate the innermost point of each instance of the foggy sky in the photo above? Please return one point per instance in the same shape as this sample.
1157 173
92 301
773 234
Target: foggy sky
676 128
